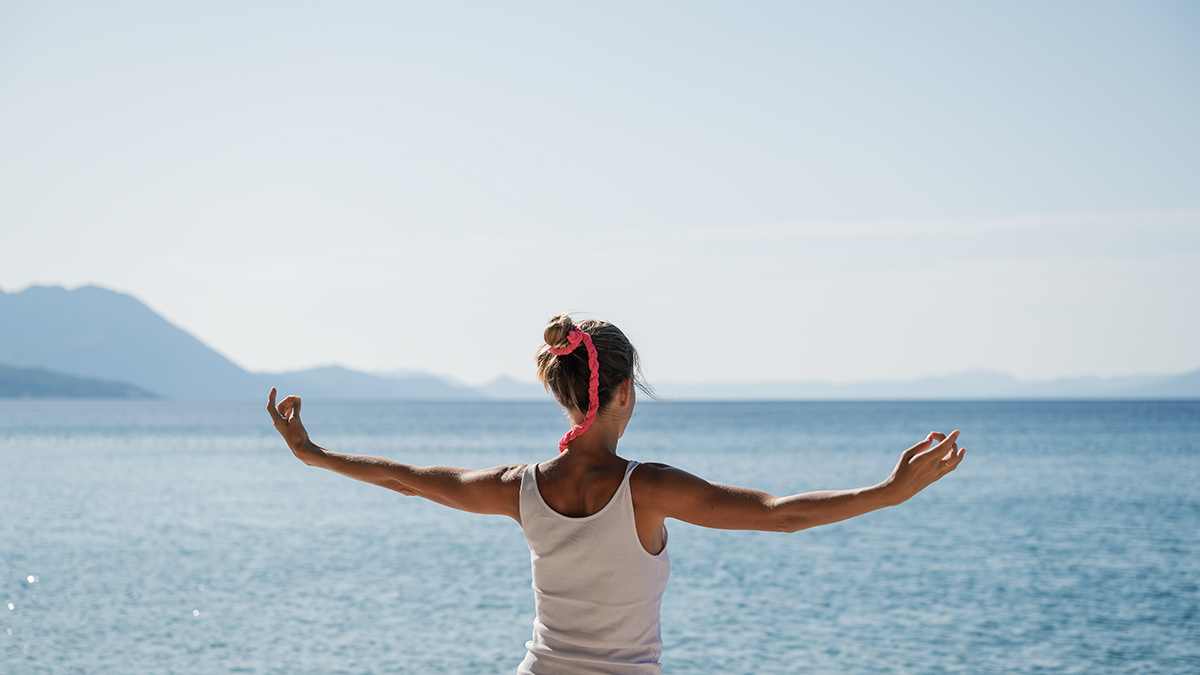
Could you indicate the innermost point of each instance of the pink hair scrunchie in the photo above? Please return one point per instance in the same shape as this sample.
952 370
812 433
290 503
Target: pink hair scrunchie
573 339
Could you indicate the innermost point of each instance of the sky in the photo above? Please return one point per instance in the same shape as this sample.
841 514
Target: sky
838 191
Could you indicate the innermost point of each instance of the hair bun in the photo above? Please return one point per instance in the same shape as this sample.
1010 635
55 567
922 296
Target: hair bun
557 330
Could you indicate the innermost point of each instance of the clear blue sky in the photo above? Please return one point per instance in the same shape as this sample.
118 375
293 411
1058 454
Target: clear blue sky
763 191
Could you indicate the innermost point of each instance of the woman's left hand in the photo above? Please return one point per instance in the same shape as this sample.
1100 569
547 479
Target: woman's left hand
924 463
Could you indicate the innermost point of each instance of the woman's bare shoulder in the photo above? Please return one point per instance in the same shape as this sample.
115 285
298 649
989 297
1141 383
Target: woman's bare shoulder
510 473
648 472
656 470
661 479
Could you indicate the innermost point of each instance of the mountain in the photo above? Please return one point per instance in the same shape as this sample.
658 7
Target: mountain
1178 386
505 388
38 383
95 333
95 340
98 334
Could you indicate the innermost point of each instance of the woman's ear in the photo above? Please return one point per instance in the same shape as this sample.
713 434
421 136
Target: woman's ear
623 392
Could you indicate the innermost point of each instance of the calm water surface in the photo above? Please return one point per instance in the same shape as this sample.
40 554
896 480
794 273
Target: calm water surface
168 537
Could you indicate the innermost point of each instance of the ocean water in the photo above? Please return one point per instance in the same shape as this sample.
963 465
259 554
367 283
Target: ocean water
171 537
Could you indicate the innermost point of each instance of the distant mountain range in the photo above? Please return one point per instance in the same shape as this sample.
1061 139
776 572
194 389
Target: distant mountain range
92 336
39 383
93 342
962 386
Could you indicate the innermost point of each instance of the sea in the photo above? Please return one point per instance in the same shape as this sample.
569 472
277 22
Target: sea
183 537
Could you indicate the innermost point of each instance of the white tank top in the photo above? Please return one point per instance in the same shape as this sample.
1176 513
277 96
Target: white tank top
597 591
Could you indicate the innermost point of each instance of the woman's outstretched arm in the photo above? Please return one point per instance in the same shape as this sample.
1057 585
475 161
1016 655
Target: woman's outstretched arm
672 493
495 491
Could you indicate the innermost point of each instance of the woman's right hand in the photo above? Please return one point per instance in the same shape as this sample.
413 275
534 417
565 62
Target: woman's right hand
286 417
924 463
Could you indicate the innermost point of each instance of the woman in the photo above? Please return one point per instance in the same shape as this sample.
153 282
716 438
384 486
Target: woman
594 522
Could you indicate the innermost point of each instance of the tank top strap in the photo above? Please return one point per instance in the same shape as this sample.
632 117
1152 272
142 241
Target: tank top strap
622 499
629 470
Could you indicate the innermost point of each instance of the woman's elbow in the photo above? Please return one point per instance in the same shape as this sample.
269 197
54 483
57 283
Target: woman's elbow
792 524
403 489
782 521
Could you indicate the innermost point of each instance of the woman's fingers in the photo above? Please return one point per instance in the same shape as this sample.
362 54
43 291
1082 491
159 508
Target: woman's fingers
938 456
275 416
951 462
285 411
914 450
290 407
946 446
935 441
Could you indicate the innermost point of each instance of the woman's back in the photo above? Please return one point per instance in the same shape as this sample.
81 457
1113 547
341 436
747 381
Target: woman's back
580 488
597 590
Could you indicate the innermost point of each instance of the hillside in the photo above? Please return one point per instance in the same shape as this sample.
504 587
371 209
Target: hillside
94 334
39 383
